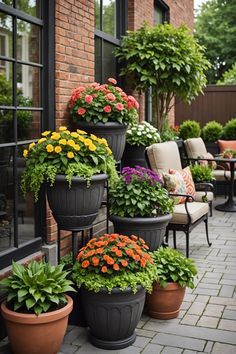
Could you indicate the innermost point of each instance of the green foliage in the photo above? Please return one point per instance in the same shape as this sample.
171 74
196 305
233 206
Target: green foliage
189 129
230 129
69 154
201 173
168 60
169 133
215 29
212 131
173 266
142 134
229 77
229 153
39 287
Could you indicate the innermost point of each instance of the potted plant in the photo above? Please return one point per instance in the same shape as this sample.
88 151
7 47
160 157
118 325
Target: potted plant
175 273
140 205
36 309
104 110
113 271
201 173
229 132
189 129
211 132
74 166
138 137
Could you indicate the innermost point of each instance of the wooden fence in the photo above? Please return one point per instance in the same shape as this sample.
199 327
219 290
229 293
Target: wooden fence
217 103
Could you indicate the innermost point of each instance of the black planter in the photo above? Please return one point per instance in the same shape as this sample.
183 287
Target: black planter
115 133
112 318
76 317
212 147
76 208
134 155
151 229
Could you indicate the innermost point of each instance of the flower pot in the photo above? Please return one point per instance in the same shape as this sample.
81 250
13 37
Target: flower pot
112 318
134 156
29 333
164 303
151 229
76 208
114 132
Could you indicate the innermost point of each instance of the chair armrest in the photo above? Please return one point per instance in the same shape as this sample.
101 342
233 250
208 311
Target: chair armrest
189 198
204 187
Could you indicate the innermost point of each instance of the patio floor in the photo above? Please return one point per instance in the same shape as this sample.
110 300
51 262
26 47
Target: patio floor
207 321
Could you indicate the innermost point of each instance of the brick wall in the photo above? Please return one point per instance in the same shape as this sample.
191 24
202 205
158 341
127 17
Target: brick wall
181 11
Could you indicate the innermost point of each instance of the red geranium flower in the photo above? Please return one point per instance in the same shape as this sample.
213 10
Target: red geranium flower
81 111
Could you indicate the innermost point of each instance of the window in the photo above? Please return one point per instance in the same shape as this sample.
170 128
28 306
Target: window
110 24
24 110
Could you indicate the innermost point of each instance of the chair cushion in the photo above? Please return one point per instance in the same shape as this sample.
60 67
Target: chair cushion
220 175
174 183
226 144
196 211
199 194
188 179
195 147
208 155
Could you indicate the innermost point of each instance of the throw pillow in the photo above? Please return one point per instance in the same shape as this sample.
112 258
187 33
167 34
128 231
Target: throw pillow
174 183
226 144
188 180
208 155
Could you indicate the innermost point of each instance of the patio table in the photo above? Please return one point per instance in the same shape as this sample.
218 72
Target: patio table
229 205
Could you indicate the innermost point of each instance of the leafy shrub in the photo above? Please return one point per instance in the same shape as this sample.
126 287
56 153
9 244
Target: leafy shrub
142 134
114 260
201 173
212 131
230 129
173 266
189 129
38 287
229 153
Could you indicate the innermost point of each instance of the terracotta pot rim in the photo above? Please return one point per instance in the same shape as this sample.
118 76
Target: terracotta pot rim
46 317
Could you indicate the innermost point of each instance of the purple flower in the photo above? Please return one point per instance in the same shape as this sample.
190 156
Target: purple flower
141 174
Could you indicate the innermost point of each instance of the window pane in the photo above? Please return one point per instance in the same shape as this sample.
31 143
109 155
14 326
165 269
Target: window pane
158 16
28 125
109 17
28 39
6 126
6 94
97 14
109 61
31 7
5 35
98 58
7 2
28 86
25 204
6 199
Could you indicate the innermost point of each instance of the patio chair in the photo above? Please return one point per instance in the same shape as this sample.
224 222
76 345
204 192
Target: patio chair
162 157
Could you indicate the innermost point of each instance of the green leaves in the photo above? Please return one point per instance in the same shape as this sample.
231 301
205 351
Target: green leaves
201 173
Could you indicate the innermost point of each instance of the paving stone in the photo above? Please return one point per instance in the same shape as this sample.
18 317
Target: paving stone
209 286
206 321
220 348
208 347
202 298
141 342
229 314
227 324
196 308
68 348
179 341
81 339
203 291
189 297
190 319
152 349
73 334
213 310
145 333
226 291
222 301
171 350
225 282
185 305
189 352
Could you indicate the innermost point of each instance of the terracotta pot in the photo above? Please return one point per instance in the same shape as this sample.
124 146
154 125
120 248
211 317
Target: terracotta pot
164 303
31 334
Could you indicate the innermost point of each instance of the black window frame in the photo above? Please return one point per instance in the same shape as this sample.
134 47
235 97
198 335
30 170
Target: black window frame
47 23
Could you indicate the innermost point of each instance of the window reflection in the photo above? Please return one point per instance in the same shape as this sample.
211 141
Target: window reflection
5 39
98 58
28 39
31 7
6 126
7 2
109 61
28 125
109 17
97 4
28 86
6 93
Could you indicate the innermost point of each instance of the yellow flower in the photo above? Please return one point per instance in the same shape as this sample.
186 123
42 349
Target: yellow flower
41 140
82 132
108 150
58 149
87 142
62 141
74 134
70 155
81 138
66 132
25 153
55 136
31 145
71 142
47 132
62 128
49 148
76 147
104 142
92 147
93 137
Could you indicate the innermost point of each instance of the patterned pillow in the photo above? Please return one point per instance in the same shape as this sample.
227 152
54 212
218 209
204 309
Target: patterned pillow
174 183
188 180
211 164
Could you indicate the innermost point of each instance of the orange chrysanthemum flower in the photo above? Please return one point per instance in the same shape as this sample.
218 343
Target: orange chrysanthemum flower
95 261
99 251
85 264
104 269
114 249
110 261
129 252
143 262
116 266
124 263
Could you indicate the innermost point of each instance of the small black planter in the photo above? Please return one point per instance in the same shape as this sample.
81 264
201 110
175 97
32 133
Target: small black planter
134 155
76 207
115 133
112 318
151 229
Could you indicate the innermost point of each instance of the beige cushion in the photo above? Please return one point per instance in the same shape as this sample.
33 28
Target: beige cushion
195 147
199 194
163 156
196 211
220 175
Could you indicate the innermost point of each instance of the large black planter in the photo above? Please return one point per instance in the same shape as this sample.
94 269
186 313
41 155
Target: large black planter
76 208
115 133
134 156
112 318
151 229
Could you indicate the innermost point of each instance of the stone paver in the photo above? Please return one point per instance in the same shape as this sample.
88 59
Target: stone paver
207 319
